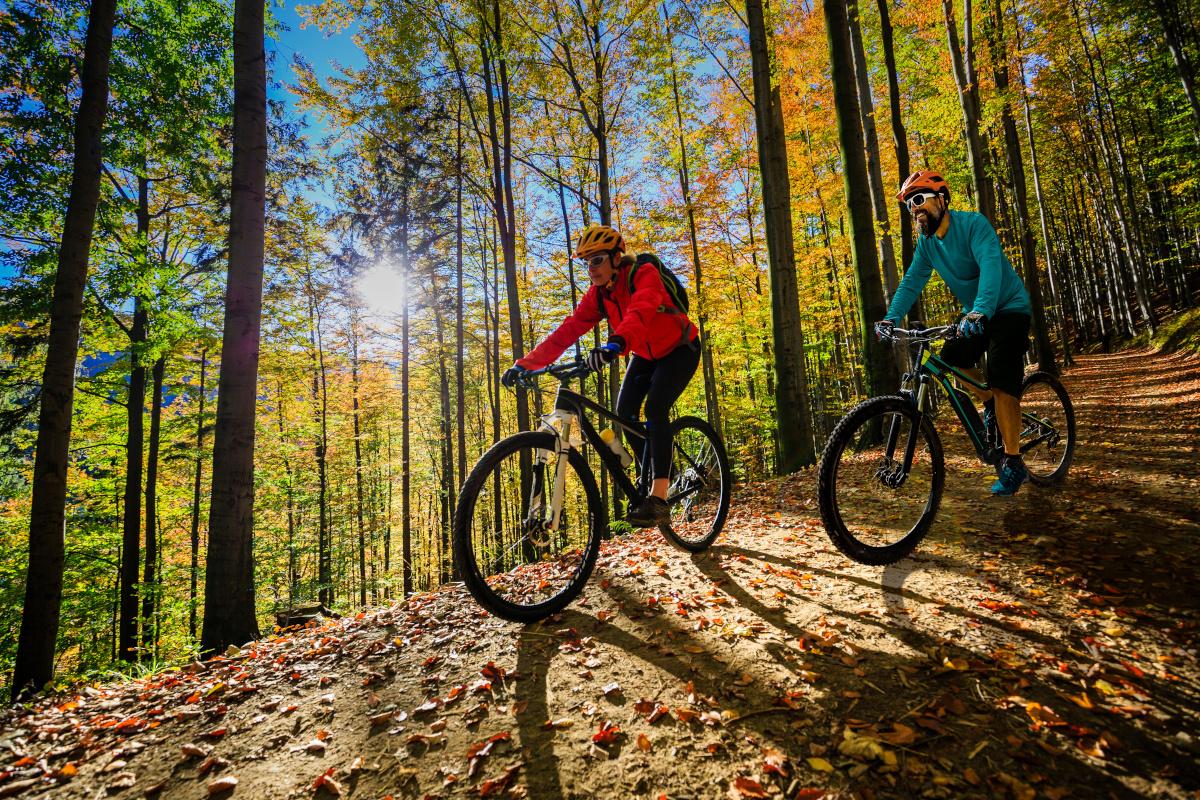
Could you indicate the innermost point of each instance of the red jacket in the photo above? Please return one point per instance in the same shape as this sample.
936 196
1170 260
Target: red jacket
634 317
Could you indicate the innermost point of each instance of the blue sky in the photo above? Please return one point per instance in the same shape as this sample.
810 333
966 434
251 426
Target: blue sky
322 51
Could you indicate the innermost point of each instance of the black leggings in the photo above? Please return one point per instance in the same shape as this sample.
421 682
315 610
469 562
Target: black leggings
659 383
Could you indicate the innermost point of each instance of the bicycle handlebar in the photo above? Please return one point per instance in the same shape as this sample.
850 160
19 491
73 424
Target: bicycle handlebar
564 371
937 334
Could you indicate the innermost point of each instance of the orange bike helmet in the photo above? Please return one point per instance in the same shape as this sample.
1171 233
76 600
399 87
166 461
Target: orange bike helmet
924 179
597 239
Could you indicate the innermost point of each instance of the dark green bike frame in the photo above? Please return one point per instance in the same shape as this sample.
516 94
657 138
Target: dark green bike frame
932 369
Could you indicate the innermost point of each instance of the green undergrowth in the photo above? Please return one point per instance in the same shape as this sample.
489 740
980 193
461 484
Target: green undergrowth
1179 333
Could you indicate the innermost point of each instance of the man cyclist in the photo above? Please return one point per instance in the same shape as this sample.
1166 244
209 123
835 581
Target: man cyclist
643 321
964 249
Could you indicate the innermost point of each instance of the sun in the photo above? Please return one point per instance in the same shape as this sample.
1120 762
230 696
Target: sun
381 290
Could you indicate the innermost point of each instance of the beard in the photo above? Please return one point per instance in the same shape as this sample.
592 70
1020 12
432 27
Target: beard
928 223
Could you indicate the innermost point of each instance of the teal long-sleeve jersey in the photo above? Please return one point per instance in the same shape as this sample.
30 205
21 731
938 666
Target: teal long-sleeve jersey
973 265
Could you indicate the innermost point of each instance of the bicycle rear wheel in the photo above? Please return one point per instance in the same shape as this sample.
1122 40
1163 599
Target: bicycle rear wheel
1047 429
700 485
514 563
874 511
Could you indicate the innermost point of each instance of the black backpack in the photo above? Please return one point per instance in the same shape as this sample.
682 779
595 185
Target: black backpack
670 281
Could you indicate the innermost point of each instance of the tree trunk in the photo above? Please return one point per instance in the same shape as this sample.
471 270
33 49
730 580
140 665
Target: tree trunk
405 417
150 588
196 483
131 526
968 96
320 399
794 434
880 365
503 206
1037 190
1168 15
47 518
866 108
1016 175
706 358
358 486
229 608
459 344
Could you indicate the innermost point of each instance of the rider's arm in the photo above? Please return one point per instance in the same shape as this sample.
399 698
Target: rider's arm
985 247
914 280
647 297
585 317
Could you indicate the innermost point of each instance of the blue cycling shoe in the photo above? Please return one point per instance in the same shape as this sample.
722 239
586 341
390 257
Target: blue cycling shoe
1012 474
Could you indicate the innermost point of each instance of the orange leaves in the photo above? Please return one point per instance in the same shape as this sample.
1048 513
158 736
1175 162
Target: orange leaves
1043 716
748 787
481 750
493 673
497 786
607 734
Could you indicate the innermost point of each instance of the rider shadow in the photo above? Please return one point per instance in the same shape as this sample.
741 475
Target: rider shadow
893 584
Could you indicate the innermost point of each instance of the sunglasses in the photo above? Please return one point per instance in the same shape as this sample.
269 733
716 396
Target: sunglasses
915 201
594 261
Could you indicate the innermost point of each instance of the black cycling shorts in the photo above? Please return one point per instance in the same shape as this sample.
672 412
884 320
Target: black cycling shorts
1005 339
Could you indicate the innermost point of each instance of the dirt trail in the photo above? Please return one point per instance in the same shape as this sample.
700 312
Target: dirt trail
1040 646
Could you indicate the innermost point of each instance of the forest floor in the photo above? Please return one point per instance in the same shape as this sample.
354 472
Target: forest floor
1038 646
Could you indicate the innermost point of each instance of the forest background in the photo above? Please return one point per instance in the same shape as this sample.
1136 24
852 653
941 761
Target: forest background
421 203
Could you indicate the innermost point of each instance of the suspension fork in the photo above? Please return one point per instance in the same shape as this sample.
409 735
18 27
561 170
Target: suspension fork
562 425
910 447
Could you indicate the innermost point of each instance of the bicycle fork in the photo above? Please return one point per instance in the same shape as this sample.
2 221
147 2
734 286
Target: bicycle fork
563 425
890 473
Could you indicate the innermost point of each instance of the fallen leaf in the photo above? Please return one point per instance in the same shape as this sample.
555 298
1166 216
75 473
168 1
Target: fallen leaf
607 734
325 781
122 780
774 761
748 787
643 743
820 764
223 784
899 735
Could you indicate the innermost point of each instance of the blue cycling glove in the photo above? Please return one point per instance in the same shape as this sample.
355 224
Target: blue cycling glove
602 356
972 324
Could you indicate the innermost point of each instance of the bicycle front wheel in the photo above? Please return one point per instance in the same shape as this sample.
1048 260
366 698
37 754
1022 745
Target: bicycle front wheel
521 557
877 503
1047 429
700 485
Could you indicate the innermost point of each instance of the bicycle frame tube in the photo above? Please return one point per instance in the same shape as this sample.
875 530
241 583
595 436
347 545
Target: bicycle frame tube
574 403
942 372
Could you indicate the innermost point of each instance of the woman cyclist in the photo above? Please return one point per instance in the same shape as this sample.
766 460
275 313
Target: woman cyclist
643 321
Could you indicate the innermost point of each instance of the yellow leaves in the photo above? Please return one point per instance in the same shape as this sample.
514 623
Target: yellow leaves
866 748
820 764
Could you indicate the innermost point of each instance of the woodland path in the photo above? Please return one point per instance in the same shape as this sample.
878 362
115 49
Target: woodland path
1041 646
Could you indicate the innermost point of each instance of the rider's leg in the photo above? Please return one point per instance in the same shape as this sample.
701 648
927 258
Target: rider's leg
964 354
1006 368
982 395
1009 335
1008 420
634 387
668 382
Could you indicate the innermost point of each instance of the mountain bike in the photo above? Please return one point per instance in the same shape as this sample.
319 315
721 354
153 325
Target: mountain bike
530 517
882 471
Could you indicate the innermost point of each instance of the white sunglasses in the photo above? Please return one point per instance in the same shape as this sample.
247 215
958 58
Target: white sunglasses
915 201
